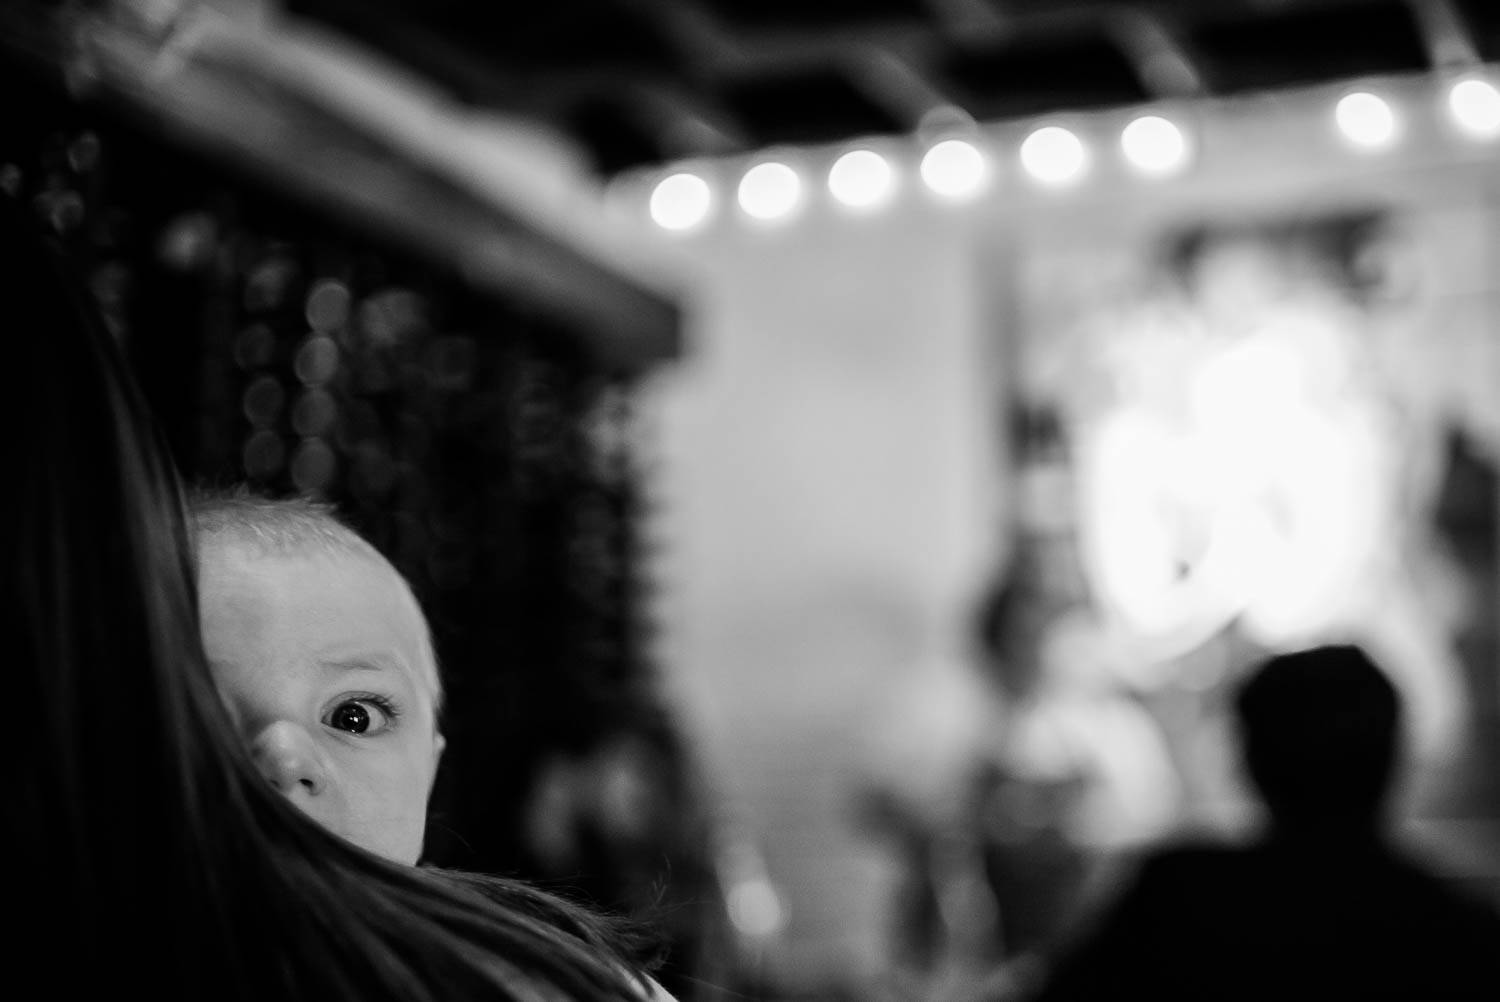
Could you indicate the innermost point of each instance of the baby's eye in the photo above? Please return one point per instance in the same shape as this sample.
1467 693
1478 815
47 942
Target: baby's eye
360 715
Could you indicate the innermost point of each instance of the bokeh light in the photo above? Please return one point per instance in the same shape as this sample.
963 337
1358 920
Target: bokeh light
263 401
313 465
317 360
861 179
327 306
755 908
769 191
1053 155
1154 145
954 169
1475 107
681 202
1366 120
263 455
188 241
314 413
269 283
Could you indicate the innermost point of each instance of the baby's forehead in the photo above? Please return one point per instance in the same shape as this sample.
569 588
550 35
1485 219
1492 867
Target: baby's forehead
245 544
232 562
234 570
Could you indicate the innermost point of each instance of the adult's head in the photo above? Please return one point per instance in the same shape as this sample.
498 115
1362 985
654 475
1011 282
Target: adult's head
1321 734
99 632
324 659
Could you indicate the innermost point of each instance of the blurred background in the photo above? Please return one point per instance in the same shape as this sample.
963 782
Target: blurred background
848 451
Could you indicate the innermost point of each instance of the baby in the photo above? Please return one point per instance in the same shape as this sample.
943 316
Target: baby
324 659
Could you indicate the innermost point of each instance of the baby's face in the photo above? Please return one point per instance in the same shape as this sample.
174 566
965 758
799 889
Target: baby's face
321 658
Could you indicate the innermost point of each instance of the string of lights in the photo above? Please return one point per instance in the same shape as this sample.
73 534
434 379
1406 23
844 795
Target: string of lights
1152 144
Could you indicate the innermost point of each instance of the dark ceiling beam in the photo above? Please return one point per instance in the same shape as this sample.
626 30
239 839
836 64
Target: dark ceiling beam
737 51
1164 66
878 58
708 46
966 18
1449 43
688 125
1267 47
722 77
895 82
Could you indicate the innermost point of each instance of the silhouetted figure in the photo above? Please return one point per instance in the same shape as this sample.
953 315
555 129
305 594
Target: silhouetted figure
1323 906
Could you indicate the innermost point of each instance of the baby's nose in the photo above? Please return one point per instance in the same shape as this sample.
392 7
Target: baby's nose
289 759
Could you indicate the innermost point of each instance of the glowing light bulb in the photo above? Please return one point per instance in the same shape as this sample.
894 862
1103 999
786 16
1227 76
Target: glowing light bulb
861 179
1053 155
681 202
1366 120
1154 145
954 169
1475 106
755 908
769 191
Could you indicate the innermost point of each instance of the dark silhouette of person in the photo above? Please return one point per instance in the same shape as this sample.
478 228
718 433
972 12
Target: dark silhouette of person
1323 904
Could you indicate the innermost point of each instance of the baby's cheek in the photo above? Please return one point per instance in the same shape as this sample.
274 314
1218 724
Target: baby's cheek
377 814
427 752
409 778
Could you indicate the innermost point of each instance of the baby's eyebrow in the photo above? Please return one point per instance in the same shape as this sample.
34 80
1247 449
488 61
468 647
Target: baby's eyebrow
369 663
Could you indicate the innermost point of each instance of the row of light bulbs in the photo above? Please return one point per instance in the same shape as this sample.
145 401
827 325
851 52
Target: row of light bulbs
955 169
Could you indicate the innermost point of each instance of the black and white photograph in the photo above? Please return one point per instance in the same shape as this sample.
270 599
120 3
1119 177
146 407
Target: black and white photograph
752 500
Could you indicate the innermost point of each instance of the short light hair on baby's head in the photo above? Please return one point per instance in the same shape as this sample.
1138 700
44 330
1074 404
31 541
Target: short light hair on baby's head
290 526
274 526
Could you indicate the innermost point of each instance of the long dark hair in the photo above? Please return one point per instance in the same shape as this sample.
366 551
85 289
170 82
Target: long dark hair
147 851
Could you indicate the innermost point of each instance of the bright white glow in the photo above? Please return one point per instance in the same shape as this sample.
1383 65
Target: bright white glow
1053 155
1260 506
1131 467
954 169
769 191
1475 106
681 202
861 179
1154 145
755 908
1366 120
1242 392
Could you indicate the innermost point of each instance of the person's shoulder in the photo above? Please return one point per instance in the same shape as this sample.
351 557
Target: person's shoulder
1451 906
1188 870
1426 872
